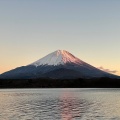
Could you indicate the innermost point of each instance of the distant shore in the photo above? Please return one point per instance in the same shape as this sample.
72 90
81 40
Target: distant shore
57 83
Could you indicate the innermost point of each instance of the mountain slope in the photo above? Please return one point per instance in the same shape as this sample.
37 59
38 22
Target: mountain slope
59 57
57 65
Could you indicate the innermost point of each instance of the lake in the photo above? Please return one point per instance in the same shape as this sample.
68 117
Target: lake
60 104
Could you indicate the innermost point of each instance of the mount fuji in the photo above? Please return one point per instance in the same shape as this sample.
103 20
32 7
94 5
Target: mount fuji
57 65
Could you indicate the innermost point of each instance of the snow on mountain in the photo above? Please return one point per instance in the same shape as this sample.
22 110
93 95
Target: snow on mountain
59 57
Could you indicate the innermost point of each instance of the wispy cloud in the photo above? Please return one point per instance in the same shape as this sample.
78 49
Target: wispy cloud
107 70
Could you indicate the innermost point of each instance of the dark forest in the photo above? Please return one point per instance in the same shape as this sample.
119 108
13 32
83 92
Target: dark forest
57 83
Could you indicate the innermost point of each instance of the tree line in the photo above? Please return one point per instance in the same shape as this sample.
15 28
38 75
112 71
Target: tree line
60 83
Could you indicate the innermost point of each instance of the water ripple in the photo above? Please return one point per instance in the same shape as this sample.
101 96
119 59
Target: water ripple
59 104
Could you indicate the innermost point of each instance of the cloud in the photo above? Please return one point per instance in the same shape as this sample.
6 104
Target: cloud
107 70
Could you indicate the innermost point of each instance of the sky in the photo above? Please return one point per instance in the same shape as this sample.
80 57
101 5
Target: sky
89 29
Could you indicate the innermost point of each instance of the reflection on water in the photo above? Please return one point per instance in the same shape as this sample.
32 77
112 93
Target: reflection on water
68 104
60 104
71 106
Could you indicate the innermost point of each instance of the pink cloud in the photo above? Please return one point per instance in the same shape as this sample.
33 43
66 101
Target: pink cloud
107 70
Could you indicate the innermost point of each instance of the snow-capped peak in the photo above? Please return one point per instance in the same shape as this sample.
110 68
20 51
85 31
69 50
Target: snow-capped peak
59 57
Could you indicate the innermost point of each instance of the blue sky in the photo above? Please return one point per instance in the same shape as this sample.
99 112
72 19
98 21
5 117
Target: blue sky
30 29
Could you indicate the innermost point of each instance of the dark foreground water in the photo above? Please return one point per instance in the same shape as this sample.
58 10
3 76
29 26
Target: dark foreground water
60 104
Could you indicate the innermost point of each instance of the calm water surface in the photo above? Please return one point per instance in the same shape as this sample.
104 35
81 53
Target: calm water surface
60 104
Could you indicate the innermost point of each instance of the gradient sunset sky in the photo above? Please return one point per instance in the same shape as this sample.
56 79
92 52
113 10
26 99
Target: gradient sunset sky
89 29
